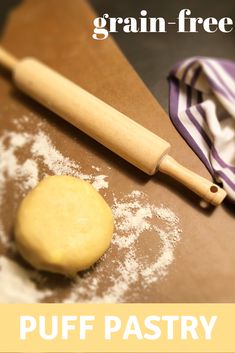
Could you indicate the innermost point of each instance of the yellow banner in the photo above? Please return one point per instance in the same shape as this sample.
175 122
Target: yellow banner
117 328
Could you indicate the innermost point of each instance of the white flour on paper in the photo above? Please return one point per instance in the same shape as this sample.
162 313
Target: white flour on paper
135 219
17 285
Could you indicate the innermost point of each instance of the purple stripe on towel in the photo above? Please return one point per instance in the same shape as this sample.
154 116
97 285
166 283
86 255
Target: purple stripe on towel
190 64
199 127
217 88
220 160
221 80
226 178
215 154
208 141
228 66
173 107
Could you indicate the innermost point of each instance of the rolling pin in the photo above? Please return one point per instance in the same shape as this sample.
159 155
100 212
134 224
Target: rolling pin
111 128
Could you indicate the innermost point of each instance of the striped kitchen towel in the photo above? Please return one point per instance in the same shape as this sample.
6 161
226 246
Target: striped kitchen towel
202 108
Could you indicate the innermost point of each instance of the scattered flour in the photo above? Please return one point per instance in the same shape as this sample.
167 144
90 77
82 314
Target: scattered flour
16 284
19 123
26 173
96 168
135 219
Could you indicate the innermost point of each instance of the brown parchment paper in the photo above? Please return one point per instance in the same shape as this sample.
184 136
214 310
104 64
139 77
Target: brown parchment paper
59 34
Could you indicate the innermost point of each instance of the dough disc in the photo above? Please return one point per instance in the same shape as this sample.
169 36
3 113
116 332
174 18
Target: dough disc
63 225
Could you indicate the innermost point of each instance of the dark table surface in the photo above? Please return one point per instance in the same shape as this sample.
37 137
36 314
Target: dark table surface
153 54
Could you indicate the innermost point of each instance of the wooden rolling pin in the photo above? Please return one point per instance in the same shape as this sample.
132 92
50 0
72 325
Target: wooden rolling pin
105 124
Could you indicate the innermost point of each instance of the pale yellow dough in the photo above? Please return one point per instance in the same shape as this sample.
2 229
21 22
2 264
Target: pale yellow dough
63 225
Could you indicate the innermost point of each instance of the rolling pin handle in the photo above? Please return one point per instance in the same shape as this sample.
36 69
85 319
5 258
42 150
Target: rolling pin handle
208 191
7 60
